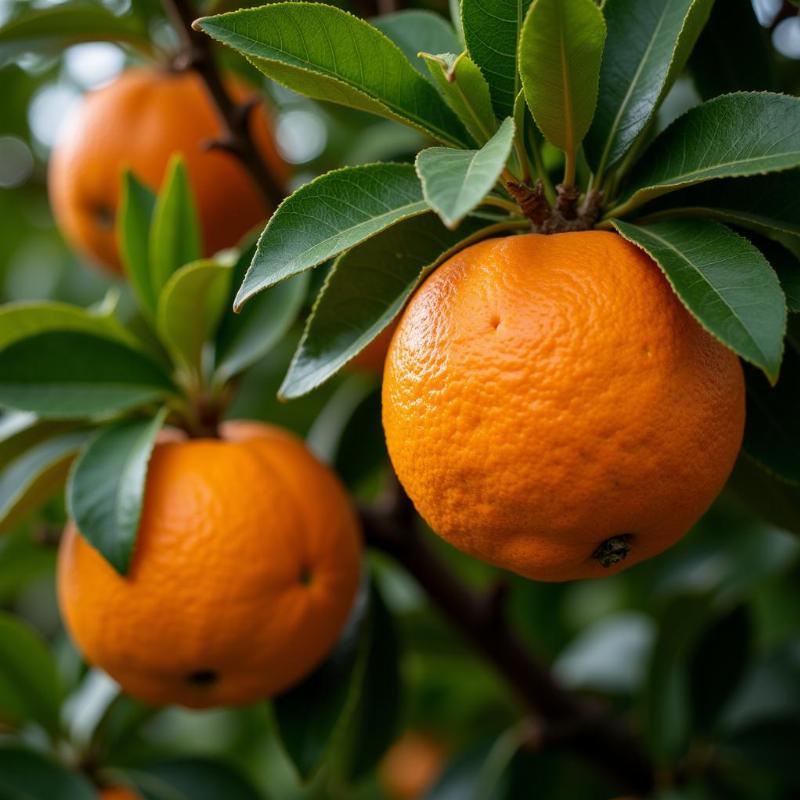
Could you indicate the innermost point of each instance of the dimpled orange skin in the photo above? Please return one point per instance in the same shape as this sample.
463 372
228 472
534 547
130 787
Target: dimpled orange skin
245 568
543 394
138 122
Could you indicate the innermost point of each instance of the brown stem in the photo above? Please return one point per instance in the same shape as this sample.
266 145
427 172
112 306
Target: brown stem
568 720
198 55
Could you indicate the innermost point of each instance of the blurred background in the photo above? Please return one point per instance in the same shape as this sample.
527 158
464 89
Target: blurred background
732 677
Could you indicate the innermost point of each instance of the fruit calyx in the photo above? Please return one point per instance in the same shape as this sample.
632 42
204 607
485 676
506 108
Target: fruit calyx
567 215
614 550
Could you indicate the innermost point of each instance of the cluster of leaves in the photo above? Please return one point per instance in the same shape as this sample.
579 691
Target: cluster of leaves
83 384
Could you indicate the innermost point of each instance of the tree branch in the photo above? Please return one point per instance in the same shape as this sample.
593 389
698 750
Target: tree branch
569 721
198 55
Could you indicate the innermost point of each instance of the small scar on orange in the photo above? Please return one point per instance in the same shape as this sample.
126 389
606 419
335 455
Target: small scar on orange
495 321
202 677
305 576
103 215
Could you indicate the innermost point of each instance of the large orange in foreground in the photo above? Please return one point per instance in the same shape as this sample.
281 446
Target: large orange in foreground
245 568
138 122
552 408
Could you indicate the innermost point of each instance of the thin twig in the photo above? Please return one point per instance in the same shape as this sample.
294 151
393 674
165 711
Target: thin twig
198 55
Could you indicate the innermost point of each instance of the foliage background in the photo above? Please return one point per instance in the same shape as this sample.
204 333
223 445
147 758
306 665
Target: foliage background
732 677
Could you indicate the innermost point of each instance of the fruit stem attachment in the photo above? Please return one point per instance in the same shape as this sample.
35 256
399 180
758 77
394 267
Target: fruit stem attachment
198 55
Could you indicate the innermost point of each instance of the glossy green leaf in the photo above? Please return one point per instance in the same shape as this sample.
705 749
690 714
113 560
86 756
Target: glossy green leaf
21 320
29 684
175 233
34 476
191 779
723 280
559 61
455 182
328 216
765 203
772 432
416 31
327 54
465 90
137 205
310 715
365 291
717 666
492 31
376 717
735 135
105 491
733 52
70 375
21 430
189 309
36 29
244 338
648 44
29 775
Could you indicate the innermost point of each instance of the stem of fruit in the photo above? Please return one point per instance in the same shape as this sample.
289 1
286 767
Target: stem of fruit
564 719
198 55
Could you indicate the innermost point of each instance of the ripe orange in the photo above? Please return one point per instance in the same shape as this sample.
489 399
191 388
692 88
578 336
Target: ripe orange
412 766
245 567
552 408
137 122
118 793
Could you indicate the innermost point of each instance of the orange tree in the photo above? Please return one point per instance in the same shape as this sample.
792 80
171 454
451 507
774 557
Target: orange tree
600 227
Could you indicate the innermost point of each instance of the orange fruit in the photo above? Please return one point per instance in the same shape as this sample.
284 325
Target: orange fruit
245 568
138 121
552 408
411 766
118 793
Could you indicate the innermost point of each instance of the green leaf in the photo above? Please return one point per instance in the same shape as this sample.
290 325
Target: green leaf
717 667
35 475
105 491
765 203
189 309
191 779
65 24
327 54
373 725
724 282
648 44
733 52
245 338
20 430
327 217
492 31
455 182
735 135
309 716
28 775
559 60
137 206
72 375
787 265
25 319
415 31
465 90
175 233
366 290
29 683
772 432
22 561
